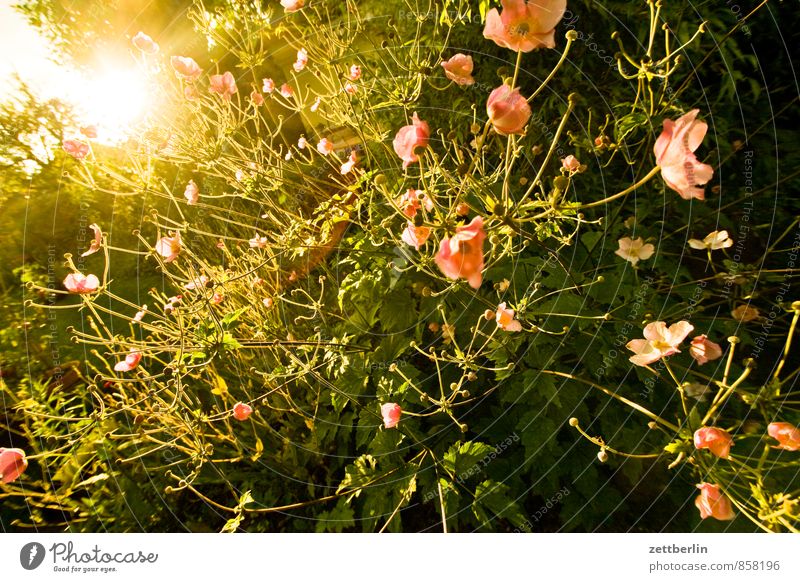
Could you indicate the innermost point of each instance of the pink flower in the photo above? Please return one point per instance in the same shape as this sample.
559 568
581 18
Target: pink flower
355 73
525 26
391 414
258 242
316 104
634 250
97 243
458 68
144 43
409 138
268 302
350 88
190 93
505 319
712 503
257 98
217 298
508 110
89 131
674 152
186 67
292 5
140 314
659 342
80 283
268 86
196 283
129 363
410 202
351 162
714 439
570 163
192 192
287 91
242 411
325 146
302 143
13 463
462 255
76 148
786 434
302 60
415 236
704 350
224 85
169 247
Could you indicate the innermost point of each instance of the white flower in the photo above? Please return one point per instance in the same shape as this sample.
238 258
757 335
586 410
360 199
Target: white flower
258 242
634 250
714 241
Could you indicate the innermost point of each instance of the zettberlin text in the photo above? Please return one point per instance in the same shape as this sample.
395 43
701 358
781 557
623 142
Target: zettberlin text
673 549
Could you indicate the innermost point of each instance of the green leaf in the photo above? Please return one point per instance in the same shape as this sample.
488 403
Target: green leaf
259 450
220 387
492 499
336 520
386 442
233 317
628 124
676 447
91 480
358 474
483 8
694 421
233 524
461 459
398 312
361 296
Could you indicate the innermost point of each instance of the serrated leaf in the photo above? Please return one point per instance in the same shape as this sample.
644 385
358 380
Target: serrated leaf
492 500
336 520
233 524
358 474
461 459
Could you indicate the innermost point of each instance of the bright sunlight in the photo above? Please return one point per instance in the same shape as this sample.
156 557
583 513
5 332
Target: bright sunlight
113 100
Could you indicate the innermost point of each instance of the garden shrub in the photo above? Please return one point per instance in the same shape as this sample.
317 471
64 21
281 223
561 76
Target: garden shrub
385 294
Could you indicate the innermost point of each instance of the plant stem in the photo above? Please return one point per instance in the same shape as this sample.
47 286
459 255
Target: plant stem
627 190
622 399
